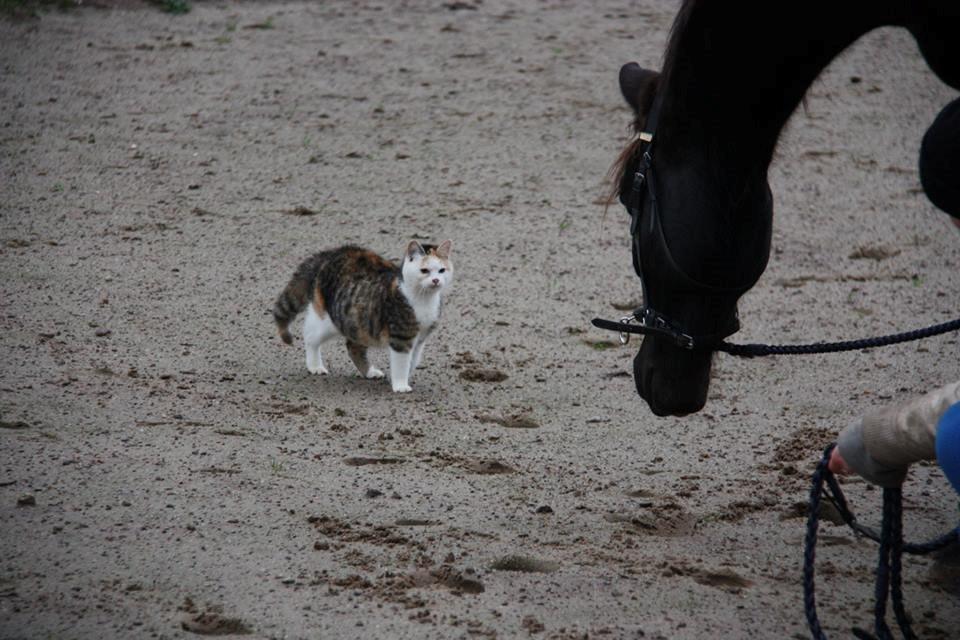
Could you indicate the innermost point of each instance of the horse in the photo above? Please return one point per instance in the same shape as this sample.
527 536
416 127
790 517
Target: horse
694 176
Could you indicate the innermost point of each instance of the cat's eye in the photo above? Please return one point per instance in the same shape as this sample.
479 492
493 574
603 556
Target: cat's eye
442 270
424 270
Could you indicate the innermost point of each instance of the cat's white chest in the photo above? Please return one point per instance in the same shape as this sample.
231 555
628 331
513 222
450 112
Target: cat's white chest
425 307
427 311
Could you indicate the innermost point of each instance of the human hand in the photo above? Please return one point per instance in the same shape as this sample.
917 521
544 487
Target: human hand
837 464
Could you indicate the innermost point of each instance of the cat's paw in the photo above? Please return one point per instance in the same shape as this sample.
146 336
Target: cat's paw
402 388
374 374
318 370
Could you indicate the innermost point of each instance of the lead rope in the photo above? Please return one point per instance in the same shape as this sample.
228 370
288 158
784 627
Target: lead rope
889 581
754 350
666 327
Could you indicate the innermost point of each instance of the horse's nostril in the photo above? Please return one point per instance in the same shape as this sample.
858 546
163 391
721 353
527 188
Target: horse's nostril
673 383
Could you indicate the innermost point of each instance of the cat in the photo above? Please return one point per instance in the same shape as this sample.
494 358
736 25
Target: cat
372 302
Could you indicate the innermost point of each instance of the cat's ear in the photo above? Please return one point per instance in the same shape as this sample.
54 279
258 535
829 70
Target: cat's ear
414 250
443 251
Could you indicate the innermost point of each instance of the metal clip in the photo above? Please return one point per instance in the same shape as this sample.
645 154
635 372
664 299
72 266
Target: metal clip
625 337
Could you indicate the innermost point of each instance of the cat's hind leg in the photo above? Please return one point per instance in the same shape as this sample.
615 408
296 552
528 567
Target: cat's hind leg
317 329
358 353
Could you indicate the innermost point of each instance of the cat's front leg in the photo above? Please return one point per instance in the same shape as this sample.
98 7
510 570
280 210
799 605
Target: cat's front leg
418 343
315 359
417 353
400 370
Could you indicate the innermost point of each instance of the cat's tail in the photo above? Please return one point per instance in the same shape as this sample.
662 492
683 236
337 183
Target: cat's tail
294 299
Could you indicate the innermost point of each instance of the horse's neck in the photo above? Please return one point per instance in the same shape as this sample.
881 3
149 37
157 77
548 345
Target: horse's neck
735 75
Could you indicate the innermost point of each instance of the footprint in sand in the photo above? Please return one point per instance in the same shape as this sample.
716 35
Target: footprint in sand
358 461
524 564
488 467
210 623
483 375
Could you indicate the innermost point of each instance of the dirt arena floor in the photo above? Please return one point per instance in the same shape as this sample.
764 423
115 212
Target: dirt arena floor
169 468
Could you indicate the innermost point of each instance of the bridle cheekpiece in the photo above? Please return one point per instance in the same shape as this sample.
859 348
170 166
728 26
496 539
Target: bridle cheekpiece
646 319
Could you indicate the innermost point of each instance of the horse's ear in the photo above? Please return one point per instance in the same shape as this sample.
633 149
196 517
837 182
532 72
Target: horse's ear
638 86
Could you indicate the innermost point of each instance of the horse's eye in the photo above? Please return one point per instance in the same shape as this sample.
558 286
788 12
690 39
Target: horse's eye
424 271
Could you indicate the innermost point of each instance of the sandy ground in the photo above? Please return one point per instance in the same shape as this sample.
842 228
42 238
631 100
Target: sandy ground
168 466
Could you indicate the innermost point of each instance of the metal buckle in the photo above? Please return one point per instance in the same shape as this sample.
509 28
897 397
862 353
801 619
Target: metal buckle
638 179
658 324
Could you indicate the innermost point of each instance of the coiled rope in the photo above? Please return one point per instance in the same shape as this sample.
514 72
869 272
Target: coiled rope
889 580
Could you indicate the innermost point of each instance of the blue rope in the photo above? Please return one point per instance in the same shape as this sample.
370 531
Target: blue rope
810 548
755 350
889 581
896 557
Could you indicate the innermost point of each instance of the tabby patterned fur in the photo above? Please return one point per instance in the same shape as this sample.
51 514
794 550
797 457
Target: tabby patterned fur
371 302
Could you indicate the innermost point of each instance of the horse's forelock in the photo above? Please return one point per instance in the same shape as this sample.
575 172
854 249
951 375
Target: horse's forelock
617 173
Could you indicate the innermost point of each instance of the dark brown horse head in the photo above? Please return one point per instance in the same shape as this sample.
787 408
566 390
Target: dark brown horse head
685 251
695 176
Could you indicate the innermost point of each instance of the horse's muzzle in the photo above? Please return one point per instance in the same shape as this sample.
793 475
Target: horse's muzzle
673 381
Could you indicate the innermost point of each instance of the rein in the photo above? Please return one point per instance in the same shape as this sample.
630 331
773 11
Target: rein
889 581
655 324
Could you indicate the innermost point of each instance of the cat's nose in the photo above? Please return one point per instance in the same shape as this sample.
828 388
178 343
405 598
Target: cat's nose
436 281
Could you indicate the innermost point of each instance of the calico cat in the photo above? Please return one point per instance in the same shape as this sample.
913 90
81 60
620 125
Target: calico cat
372 302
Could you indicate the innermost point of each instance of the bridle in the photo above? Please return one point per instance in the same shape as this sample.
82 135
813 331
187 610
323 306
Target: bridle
648 242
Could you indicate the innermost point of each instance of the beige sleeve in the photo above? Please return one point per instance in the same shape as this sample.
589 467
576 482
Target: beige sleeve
899 436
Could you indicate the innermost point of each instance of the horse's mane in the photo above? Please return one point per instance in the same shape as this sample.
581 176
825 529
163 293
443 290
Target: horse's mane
673 42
